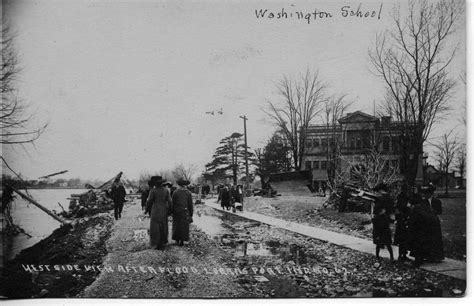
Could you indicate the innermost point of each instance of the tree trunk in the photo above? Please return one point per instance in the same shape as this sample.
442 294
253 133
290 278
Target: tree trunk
446 182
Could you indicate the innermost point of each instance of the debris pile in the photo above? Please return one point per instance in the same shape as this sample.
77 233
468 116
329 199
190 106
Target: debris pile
87 204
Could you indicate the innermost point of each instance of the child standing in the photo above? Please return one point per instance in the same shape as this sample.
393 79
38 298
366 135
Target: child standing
381 231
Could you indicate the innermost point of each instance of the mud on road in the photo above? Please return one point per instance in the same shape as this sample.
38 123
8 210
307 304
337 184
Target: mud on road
294 265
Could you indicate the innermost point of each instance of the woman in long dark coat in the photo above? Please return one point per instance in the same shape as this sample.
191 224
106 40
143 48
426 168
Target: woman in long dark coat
158 203
226 198
182 211
419 232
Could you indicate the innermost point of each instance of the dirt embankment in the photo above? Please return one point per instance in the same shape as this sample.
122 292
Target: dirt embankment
55 266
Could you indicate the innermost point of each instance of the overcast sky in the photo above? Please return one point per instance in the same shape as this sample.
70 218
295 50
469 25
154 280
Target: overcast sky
126 86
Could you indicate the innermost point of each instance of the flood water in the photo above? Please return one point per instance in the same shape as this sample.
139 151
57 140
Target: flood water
249 241
232 233
35 221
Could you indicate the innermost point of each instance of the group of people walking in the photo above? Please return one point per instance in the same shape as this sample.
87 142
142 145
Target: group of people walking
417 229
230 196
162 202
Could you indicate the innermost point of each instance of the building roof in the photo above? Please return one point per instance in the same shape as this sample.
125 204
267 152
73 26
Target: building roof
358 116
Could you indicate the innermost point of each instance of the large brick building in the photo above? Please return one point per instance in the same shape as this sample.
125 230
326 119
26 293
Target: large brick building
354 134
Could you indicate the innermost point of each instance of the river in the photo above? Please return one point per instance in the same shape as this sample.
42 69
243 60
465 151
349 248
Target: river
35 221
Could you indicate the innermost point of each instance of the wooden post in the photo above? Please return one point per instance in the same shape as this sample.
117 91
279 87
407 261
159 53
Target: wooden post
24 196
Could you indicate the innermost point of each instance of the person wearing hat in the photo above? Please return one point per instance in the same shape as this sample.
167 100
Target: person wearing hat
420 223
182 212
435 241
381 234
117 193
158 204
170 187
226 197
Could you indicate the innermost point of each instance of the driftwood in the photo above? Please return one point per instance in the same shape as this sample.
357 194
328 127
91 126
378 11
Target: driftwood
53 174
24 196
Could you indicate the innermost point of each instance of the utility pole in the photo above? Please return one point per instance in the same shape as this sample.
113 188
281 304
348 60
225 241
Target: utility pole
246 157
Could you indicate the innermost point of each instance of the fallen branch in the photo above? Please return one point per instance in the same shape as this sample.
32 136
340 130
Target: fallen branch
24 196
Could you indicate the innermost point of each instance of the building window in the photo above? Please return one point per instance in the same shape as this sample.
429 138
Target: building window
324 165
324 142
316 164
359 143
316 142
307 165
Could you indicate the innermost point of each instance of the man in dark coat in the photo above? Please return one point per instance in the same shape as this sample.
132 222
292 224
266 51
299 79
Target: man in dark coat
117 193
158 204
380 210
182 212
435 242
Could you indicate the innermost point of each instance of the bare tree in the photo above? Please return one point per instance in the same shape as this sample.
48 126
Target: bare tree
145 176
302 99
333 109
14 119
446 151
369 172
412 59
184 171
